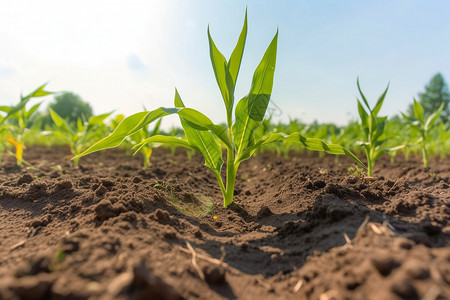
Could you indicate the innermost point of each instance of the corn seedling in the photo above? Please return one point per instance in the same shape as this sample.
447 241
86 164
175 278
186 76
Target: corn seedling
16 121
373 127
422 125
80 136
204 136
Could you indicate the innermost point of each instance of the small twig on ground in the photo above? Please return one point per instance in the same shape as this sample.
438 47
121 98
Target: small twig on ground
194 261
261 281
393 186
347 239
222 250
370 178
388 225
206 258
298 286
375 228
363 225
18 245
34 231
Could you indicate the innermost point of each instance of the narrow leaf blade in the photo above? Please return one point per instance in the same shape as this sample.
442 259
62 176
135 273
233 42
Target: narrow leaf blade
418 111
199 121
234 63
203 141
434 116
380 101
251 109
60 122
98 120
39 92
127 127
219 65
262 83
362 95
170 140
309 143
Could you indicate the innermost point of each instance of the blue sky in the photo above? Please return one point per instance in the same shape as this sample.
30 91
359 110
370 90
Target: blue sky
125 55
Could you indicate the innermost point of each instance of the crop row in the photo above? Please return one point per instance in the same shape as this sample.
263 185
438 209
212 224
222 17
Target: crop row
248 129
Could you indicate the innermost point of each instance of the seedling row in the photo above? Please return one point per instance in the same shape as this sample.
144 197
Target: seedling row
248 129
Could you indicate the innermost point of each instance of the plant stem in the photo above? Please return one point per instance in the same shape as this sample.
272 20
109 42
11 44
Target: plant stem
369 162
231 167
424 154
231 179
75 162
147 153
222 186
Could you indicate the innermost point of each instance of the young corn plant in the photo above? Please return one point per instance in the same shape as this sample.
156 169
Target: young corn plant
422 125
238 137
17 120
80 136
373 127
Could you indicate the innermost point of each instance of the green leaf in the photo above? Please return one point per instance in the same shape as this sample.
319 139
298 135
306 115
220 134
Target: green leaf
309 143
5 108
203 141
262 83
80 125
433 117
234 63
207 145
379 129
157 126
39 92
164 140
219 65
418 111
251 109
363 116
32 110
98 120
177 101
61 123
406 118
362 95
199 121
380 101
244 127
127 127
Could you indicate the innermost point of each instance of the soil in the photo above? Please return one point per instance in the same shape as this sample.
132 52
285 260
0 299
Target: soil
300 228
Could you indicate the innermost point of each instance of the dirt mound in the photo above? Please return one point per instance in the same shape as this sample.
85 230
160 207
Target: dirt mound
300 228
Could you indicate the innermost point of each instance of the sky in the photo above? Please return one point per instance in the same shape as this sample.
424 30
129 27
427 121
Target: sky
130 55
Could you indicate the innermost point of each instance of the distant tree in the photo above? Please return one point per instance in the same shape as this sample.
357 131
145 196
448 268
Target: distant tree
435 93
70 106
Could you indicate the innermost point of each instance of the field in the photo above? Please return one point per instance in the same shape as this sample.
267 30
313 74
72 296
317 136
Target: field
244 209
301 227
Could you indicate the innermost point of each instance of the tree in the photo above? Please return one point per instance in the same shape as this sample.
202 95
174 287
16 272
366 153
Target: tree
435 93
71 107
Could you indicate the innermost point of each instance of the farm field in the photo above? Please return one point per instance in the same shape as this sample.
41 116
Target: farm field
301 227
290 208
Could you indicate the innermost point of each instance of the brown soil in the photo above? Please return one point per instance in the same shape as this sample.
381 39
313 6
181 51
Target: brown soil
300 228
